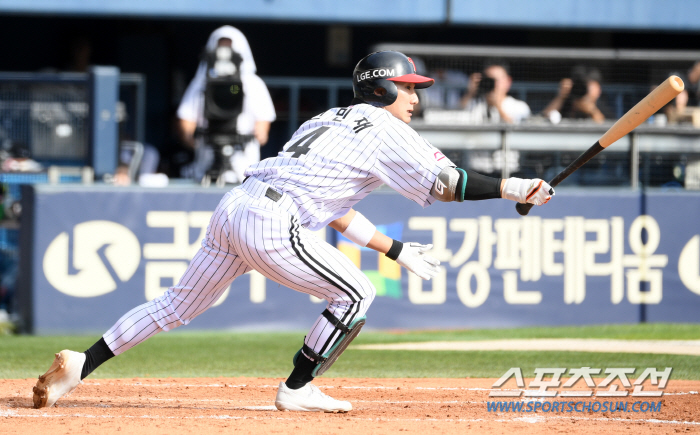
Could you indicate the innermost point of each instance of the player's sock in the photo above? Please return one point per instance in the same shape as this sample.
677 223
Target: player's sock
301 375
95 356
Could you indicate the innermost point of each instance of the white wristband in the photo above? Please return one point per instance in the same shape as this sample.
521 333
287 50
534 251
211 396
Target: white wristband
360 230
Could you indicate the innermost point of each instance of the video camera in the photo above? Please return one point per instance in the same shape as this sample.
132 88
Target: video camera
223 95
223 103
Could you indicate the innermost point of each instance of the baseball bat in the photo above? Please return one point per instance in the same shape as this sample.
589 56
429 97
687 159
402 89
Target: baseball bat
649 105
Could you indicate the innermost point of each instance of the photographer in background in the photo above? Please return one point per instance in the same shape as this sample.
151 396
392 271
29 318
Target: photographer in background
692 84
579 97
226 111
487 99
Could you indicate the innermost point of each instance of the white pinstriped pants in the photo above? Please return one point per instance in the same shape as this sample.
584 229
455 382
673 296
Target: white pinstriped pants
251 231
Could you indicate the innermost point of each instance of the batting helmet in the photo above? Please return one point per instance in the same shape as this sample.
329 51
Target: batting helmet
379 70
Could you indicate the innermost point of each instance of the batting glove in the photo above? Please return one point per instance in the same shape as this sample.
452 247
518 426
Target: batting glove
414 258
525 190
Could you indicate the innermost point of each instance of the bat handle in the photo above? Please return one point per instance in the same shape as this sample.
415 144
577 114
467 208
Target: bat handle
523 208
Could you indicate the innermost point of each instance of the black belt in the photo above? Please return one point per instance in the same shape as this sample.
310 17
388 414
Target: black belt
273 194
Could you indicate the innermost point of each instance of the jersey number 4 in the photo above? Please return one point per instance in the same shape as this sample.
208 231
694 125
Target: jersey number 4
303 145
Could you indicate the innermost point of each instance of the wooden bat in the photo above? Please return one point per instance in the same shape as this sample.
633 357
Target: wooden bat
649 105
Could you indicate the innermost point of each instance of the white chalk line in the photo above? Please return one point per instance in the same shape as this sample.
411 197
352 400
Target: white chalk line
525 419
155 399
351 387
186 403
323 387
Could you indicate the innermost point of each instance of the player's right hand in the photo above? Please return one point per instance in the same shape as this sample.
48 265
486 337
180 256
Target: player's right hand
527 191
414 258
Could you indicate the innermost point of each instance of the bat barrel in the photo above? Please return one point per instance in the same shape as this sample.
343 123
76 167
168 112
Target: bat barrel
652 103
676 83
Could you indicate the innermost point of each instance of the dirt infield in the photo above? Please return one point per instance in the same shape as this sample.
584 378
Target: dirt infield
246 405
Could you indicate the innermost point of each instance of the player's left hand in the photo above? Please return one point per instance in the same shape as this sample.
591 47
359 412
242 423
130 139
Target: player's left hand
524 190
414 258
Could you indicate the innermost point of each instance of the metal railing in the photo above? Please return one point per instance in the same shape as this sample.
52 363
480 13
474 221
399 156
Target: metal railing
294 87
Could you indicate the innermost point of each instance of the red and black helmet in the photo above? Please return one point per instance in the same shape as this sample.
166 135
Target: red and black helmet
379 70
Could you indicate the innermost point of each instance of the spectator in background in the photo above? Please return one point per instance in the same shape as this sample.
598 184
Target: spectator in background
447 91
692 84
579 97
487 98
553 110
254 120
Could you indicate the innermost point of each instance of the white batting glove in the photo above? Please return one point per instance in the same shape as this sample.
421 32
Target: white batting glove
525 190
413 258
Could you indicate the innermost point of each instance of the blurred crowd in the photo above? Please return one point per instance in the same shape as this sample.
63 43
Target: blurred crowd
484 97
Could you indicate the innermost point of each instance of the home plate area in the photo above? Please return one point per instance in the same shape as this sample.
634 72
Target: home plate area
246 405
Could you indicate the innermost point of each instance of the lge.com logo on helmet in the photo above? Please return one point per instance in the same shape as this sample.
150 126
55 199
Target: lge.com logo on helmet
375 73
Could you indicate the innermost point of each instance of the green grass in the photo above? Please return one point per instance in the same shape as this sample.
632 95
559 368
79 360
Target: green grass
644 331
212 354
6 328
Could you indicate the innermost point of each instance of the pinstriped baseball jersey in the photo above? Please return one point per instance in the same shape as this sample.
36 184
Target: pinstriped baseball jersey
332 161
338 157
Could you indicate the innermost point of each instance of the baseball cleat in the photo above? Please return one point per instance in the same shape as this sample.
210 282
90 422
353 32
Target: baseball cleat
61 378
308 398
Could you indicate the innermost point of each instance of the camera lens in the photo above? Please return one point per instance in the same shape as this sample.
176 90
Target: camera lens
486 85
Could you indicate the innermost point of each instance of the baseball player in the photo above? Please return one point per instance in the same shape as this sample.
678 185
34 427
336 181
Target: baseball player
333 161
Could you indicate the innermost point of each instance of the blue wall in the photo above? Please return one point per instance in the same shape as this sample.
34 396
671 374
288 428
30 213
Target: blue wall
586 258
593 14
373 11
570 14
